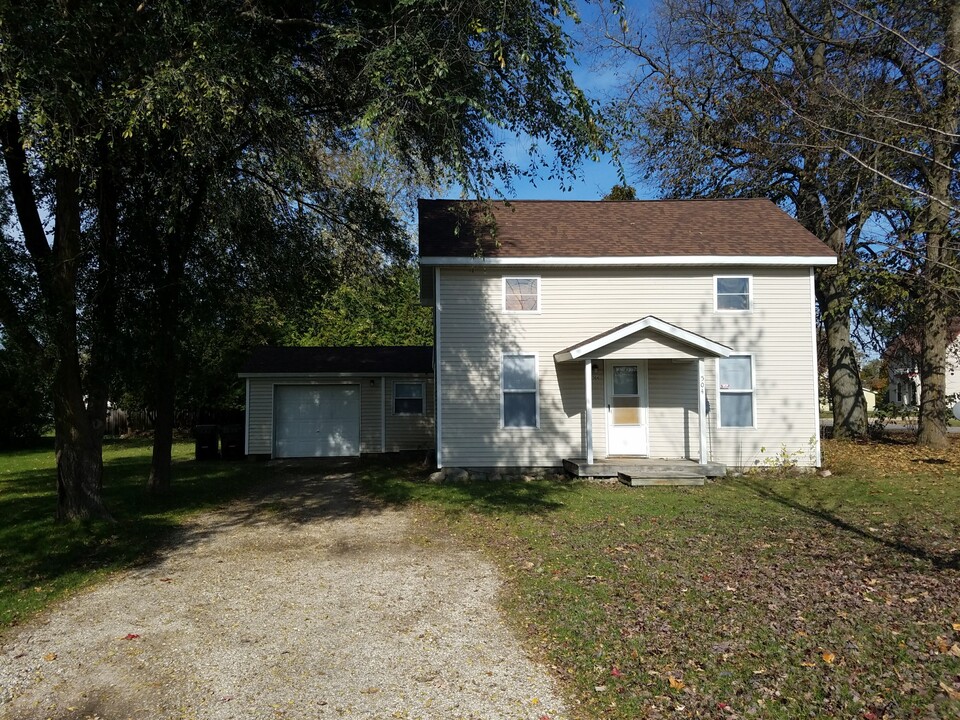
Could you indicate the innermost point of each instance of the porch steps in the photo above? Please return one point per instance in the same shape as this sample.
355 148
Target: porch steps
674 479
646 471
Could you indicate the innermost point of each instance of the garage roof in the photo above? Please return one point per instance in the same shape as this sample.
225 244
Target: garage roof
339 360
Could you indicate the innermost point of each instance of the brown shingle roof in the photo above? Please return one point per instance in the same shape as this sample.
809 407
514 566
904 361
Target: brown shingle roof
646 228
305 360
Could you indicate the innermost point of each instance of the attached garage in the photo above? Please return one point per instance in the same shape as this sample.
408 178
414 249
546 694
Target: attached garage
338 402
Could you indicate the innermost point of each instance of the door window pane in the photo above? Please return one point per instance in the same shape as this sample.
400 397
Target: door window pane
625 380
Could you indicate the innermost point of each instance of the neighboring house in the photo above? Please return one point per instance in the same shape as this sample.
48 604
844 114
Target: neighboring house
332 402
661 329
903 366
869 396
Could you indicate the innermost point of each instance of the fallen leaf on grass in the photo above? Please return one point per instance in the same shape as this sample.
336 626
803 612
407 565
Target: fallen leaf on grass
615 671
50 657
828 657
951 693
676 684
956 626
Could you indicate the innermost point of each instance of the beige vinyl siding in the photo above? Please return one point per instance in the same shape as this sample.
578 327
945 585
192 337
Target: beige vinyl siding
410 432
260 416
647 344
370 418
673 417
578 303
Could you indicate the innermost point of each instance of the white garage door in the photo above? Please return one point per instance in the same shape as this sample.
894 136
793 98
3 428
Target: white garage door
317 420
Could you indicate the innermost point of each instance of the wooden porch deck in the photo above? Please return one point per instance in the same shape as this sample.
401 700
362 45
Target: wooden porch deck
638 471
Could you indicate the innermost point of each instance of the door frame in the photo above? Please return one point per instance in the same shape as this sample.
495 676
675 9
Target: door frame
644 395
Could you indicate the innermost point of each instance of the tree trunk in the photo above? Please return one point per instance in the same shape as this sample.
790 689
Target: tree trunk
168 305
165 378
846 391
940 261
79 430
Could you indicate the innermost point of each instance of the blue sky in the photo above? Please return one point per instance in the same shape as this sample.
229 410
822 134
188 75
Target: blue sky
598 79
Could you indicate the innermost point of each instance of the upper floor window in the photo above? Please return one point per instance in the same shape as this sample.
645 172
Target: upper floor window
408 398
521 294
734 292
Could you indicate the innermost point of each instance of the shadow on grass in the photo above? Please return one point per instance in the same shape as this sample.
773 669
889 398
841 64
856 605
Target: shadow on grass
404 484
946 560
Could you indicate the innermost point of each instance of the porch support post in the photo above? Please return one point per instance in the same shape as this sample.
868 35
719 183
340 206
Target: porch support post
588 409
702 409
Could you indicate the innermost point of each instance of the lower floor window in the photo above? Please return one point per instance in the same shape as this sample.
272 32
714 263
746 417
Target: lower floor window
735 374
408 398
518 386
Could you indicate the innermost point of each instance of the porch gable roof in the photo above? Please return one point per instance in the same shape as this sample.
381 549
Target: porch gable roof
597 343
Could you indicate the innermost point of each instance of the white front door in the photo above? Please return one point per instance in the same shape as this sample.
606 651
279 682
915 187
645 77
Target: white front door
626 384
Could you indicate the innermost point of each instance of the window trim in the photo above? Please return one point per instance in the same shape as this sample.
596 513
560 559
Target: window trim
752 391
716 293
535 391
422 398
503 294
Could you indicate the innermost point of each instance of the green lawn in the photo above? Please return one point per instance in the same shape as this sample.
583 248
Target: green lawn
41 559
774 597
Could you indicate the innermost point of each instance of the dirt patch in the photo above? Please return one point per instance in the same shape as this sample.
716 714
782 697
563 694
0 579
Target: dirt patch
306 601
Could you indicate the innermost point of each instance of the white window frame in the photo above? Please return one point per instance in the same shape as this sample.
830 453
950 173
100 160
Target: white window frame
716 293
422 398
752 391
536 390
503 294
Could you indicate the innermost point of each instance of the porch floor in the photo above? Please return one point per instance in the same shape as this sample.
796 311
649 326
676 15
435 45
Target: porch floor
646 471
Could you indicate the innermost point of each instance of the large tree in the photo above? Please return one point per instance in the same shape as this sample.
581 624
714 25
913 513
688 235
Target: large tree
716 107
121 121
912 52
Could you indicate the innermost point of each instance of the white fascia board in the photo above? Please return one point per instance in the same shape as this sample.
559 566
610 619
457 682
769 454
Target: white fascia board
642 260
647 323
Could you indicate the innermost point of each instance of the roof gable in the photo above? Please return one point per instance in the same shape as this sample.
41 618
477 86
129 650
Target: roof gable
598 344
652 231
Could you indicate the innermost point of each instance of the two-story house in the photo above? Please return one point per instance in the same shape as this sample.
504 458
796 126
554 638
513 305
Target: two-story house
578 331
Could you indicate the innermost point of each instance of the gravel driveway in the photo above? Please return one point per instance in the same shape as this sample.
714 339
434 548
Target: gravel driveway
307 601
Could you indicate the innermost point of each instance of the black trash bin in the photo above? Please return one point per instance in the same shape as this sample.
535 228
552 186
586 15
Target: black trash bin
206 437
231 442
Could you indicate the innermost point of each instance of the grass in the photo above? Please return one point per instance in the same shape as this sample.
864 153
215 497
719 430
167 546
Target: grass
779 597
767 596
42 560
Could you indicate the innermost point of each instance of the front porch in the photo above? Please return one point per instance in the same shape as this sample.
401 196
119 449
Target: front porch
628 420
646 471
